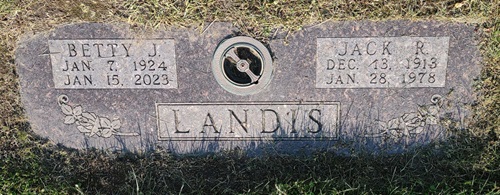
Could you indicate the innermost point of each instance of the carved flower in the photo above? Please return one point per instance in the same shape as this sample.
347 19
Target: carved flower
396 128
88 123
414 122
379 127
395 124
108 128
432 115
72 114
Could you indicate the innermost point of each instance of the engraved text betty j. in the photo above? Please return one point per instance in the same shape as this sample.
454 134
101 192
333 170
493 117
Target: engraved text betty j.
100 50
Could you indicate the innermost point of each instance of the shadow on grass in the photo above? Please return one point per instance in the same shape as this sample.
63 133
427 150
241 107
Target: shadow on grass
447 167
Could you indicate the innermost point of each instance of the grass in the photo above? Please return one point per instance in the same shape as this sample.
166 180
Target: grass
465 164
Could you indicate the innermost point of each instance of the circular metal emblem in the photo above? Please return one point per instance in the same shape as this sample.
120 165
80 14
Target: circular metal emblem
242 65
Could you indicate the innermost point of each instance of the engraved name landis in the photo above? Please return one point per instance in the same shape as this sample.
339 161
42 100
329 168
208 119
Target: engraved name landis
247 121
113 63
209 123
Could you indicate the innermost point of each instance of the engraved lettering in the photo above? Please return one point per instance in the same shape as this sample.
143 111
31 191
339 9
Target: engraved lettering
315 120
349 64
113 64
154 51
210 119
84 65
243 124
420 48
368 48
330 64
264 124
98 46
345 50
68 81
75 80
252 121
113 48
126 49
85 49
72 50
294 120
341 64
356 49
339 79
67 66
87 79
386 48
381 62
331 80
177 122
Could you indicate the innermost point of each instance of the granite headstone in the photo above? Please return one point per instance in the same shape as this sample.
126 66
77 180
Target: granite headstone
336 86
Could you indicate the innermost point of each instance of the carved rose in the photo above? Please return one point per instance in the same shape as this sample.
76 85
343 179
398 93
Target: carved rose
396 127
414 122
100 126
432 115
89 123
108 128
411 123
72 114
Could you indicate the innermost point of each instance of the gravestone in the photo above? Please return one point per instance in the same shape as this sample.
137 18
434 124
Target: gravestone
337 86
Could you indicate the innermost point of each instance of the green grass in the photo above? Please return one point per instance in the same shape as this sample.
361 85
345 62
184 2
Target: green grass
465 164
